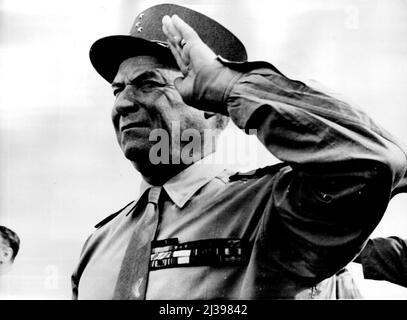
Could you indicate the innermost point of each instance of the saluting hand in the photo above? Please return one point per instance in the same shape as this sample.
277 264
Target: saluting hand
190 52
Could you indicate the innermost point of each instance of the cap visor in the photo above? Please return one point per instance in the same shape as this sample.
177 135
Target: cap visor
106 54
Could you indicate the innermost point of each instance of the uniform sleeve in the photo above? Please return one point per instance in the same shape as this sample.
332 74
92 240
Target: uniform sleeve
385 259
342 166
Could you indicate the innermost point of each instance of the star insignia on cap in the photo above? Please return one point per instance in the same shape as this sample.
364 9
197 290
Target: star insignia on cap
141 15
139 29
137 24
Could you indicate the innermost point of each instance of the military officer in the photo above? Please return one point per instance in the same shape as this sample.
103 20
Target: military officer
200 231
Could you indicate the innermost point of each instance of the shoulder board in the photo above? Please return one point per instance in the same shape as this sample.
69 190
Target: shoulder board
108 218
258 172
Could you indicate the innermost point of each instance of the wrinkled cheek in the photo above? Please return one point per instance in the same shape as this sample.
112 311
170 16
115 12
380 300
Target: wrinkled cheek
115 122
172 97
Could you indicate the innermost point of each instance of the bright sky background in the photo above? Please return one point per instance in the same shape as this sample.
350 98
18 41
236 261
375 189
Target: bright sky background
61 170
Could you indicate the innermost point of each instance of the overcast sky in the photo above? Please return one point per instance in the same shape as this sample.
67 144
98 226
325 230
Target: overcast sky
61 170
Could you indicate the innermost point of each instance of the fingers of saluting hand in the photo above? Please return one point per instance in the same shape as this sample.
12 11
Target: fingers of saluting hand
176 30
173 36
176 43
189 51
184 29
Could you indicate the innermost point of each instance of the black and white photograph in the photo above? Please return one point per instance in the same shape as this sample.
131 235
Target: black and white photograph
203 150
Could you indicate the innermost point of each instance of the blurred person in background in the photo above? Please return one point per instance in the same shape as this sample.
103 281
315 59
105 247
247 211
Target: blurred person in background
381 259
9 246
385 259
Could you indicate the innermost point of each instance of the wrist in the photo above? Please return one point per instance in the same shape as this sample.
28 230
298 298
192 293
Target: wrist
212 85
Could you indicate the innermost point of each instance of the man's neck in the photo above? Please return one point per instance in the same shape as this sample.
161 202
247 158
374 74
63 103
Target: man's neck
162 173
157 175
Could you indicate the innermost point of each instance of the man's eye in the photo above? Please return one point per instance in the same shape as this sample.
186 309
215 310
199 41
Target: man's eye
150 84
146 84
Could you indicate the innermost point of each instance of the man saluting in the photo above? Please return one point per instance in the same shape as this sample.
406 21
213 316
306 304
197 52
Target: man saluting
200 231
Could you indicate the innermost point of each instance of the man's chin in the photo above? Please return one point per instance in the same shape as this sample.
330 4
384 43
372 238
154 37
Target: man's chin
136 154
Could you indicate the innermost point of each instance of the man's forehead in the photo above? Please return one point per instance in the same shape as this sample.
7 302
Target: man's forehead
139 64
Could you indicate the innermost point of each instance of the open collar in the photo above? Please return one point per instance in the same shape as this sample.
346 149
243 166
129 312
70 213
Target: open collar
185 184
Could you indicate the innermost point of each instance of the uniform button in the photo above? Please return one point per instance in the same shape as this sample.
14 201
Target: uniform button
136 288
326 197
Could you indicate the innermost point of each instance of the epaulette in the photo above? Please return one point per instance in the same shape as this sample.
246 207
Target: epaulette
257 173
110 217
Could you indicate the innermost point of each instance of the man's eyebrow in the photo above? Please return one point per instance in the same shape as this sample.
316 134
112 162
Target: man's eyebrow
154 73
116 84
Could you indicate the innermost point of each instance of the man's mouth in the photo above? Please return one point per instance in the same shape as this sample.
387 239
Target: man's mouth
133 125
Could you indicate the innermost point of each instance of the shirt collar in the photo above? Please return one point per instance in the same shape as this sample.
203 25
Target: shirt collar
185 184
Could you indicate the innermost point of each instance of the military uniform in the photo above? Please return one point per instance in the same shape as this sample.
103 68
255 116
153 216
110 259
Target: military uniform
278 232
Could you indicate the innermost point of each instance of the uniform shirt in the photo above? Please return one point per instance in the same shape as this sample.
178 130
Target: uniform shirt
385 259
346 287
295 224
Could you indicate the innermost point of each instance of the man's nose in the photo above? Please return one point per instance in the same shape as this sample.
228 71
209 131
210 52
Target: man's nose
126 102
